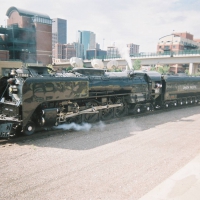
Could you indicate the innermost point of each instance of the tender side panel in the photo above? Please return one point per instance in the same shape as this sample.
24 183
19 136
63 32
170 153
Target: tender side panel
182 87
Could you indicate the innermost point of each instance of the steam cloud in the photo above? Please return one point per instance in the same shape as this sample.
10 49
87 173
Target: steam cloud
123 50
76 127
81 127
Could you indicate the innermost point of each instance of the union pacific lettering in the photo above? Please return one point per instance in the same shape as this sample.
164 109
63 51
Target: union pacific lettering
189 87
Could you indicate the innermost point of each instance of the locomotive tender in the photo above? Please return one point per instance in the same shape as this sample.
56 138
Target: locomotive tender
34 97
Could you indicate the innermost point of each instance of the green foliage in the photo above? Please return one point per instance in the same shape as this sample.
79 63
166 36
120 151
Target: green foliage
114 70
197 74
163 70
69 68
153 69
137 64
187 71
50 70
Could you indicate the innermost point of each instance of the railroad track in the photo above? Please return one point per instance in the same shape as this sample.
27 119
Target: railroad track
45 133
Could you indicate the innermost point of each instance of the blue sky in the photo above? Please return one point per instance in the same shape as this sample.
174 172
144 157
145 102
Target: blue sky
120 22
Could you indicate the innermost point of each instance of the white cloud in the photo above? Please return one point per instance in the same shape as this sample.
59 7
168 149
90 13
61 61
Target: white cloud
140 22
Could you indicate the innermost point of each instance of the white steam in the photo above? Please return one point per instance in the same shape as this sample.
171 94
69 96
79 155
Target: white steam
123 50
82 127
76 127
99 126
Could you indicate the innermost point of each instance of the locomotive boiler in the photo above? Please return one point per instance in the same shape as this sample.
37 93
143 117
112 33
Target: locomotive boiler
34 97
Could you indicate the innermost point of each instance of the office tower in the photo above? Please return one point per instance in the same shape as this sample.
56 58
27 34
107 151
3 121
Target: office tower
96 53
59 31
133 49
113 52
88 39
79 49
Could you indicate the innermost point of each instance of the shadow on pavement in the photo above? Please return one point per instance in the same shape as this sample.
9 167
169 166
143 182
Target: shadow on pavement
103 133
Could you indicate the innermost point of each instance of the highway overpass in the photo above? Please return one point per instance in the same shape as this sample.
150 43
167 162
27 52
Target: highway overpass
191 57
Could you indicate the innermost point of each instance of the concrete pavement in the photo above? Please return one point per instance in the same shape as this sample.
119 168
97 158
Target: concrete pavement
183 185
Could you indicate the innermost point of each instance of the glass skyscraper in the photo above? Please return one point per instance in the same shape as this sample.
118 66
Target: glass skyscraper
88 39
59 31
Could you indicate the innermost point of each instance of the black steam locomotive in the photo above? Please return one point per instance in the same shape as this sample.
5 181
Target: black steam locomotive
38 97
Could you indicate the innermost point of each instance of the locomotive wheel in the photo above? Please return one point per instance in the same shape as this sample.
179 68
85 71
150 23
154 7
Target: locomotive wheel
166 105
29 129
121 111
77 119
91 118
107 113
175 104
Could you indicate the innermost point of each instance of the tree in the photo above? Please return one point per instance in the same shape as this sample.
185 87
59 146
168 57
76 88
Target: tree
69 68
187 71
153 69
163 70
137 64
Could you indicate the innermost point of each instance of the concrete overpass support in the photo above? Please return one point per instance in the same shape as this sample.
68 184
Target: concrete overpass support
193 68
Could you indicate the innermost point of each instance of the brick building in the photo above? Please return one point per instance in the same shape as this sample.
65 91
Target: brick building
177 42
133 49
28 36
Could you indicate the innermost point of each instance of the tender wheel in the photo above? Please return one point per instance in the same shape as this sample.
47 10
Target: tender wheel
29 129
175 104
137 109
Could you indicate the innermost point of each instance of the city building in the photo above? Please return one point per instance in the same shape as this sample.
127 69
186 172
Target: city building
57 51
177 42
68 51
79 49
24 36
88 39
97 46
64 51
133 49
113 52
96 53
59 31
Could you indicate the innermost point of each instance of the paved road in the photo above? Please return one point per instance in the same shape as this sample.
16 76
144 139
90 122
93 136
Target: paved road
121 160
